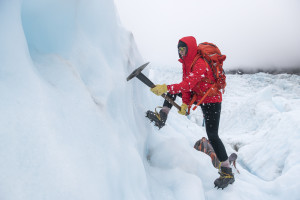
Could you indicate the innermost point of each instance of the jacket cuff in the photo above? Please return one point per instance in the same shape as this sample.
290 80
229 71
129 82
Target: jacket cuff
169 88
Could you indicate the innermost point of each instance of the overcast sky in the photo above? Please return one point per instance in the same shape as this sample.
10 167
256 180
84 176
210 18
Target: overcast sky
249 32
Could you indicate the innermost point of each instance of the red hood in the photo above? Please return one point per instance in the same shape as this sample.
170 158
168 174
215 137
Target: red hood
191 43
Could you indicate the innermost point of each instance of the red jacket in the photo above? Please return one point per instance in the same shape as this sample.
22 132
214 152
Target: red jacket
194 81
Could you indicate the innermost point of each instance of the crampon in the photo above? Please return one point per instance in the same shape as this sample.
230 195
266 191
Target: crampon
159 119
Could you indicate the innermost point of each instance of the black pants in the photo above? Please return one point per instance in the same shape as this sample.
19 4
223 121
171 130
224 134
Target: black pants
211 112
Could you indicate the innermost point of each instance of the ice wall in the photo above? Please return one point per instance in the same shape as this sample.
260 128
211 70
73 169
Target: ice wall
67 119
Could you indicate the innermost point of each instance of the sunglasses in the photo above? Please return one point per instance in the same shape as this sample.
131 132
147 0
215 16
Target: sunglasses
181 48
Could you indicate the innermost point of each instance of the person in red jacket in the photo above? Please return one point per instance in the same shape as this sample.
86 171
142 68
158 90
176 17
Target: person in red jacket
196 80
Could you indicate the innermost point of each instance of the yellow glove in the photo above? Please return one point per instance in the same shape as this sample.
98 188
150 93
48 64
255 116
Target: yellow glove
182 111
159 89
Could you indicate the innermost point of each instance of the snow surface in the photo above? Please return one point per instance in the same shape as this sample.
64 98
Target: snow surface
259 121
73 128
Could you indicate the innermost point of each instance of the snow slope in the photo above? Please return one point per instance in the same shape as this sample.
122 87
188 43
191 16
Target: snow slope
259 120
71 127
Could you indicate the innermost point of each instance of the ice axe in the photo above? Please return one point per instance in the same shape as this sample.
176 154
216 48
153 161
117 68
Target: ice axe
138 73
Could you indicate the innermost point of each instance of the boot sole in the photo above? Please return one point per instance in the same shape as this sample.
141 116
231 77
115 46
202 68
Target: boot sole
230 182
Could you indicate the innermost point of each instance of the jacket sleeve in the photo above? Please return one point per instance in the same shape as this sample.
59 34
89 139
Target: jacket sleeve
190 81
186 97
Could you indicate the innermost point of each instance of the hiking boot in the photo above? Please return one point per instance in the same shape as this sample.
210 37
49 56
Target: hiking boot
214 160
159 119
226 178
204 146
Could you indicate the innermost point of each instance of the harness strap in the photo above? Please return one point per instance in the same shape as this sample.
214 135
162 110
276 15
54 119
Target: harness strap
192 102
203 98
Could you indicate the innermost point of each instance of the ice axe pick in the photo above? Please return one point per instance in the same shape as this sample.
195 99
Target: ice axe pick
138 73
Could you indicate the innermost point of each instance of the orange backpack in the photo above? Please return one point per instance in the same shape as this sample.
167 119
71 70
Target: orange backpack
213 58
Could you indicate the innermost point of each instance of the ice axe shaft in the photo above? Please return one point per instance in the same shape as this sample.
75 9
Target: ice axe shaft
138 73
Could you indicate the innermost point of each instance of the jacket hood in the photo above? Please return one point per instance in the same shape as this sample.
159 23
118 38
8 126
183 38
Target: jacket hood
191 43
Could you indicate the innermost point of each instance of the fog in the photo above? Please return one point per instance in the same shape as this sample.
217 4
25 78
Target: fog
253 34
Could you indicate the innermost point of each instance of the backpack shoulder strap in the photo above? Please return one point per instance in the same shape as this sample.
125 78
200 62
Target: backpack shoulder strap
195 60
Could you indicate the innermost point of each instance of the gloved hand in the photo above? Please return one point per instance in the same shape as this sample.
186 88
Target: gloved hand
159 89
182 111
